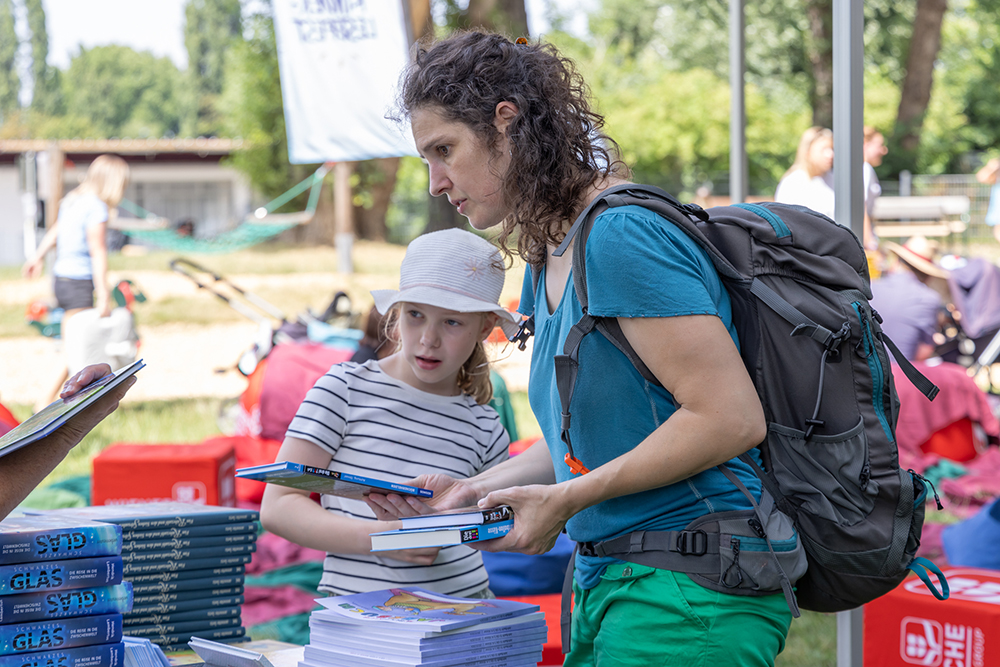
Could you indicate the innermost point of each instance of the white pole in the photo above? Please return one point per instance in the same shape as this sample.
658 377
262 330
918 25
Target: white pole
738 177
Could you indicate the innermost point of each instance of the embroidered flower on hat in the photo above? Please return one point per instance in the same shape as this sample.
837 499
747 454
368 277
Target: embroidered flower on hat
476 266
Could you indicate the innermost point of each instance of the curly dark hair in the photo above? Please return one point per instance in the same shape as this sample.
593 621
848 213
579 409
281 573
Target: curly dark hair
558 149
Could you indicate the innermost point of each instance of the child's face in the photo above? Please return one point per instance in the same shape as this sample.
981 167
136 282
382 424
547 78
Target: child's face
435 344
459 166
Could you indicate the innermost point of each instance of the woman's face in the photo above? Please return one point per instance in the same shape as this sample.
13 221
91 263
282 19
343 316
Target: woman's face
821 155
458 165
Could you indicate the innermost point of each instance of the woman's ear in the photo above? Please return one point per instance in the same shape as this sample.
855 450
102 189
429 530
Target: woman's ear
489 322
504 114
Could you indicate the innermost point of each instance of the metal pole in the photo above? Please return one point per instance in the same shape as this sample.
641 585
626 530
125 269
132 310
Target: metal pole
848 122
738 172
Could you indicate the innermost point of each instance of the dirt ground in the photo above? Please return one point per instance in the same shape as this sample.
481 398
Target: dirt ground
181 359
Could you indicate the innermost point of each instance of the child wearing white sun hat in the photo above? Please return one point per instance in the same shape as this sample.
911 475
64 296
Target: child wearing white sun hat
421 410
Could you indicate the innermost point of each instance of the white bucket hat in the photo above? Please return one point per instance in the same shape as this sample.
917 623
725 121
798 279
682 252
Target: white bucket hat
451 269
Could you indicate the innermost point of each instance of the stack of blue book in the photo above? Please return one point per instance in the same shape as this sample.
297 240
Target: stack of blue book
186 564
413 627
61 592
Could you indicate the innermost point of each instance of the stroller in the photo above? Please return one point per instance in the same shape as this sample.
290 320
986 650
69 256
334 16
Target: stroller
284 359
971 333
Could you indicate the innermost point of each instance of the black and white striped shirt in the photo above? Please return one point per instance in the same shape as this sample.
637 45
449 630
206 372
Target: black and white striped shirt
376 426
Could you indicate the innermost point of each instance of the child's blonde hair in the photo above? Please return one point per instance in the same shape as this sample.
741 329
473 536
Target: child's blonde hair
474 375
106 179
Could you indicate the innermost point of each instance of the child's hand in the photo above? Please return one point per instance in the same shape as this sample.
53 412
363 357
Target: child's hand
414 556
449 493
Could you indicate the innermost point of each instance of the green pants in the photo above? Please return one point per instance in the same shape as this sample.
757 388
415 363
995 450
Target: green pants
643 616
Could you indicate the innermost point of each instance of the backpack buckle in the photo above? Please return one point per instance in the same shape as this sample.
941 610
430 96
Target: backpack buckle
692 543
524 332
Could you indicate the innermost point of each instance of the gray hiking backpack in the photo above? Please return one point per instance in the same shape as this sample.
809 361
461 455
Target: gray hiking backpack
814 349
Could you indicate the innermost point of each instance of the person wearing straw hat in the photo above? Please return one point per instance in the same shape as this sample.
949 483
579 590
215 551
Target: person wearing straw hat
909 306
421 410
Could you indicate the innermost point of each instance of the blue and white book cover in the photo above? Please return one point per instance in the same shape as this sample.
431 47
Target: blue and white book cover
99 655
323 622
187 605
164 575
188 542
91 601
150 516
37 538
322 480
248 527
154 618
58 575
182 596
132 569
419 538
332 655
166 587
60 633
188 554
420 609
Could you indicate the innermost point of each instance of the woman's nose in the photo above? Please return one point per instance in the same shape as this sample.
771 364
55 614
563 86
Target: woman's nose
439 181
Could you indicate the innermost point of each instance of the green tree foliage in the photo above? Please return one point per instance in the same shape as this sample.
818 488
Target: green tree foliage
45 96
123 93
10 85
211 28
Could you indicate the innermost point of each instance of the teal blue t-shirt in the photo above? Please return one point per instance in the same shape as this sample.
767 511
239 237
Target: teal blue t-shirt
638 265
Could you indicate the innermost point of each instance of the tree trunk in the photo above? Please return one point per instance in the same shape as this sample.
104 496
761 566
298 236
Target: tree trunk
916 91
506 16
371 221
820 51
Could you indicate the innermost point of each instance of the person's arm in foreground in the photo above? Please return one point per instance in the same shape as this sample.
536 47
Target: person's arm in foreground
97 245
22 470
293 515
719 417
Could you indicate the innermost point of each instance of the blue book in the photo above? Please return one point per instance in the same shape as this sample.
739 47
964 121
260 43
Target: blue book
91 601
188 554
415 609
209 530
419 538
187 605
188 542
178 638
99 655
163 587
183 626
37 538
153 516
180 596
531 639
131 569
61 633
58 575
132 620
55 414
168 576
321 480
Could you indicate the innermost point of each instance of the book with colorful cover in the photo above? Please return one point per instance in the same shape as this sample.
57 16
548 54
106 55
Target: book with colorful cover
92 601
322 480
170 544
169 576
56 575
134 619
323 622
55 414
187 605
156 516
182 585
419 538
60 633
44 538
533 637
132 569
175 533
180 596
98 655
463 516
413 608
129 557
328 654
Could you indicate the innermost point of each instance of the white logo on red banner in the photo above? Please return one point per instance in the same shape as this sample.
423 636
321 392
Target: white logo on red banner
972 585
926 642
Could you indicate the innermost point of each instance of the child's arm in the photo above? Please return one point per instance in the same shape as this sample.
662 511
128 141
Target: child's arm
292 514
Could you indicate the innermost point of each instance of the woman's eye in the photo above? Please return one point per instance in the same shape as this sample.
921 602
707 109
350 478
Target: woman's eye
445 151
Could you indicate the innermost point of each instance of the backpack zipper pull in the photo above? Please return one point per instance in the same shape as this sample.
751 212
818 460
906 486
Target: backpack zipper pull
734 544
866 475
937 499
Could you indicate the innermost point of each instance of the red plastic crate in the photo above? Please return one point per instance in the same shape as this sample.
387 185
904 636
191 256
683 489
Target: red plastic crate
132 473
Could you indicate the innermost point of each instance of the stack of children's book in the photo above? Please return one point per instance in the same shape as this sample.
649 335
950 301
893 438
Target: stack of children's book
407 627
186 565
61 592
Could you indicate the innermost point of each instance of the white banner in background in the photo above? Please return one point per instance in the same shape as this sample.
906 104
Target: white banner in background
340 63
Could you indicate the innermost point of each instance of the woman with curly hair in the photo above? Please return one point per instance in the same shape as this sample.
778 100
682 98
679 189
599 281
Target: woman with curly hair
511 138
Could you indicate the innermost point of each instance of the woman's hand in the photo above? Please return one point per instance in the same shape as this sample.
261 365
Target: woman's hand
414 556
449 493
540 513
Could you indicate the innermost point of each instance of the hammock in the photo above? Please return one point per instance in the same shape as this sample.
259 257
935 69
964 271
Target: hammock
261 226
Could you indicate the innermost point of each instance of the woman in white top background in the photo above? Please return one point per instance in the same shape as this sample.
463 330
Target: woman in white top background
809 181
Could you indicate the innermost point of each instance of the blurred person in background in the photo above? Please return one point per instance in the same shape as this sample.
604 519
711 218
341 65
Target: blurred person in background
809 181
988 175
873 150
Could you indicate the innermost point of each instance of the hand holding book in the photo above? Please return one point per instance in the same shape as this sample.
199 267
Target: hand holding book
449 494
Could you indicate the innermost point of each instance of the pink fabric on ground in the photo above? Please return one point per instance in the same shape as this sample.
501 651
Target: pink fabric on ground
269 603
274 552
959 398
967 494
